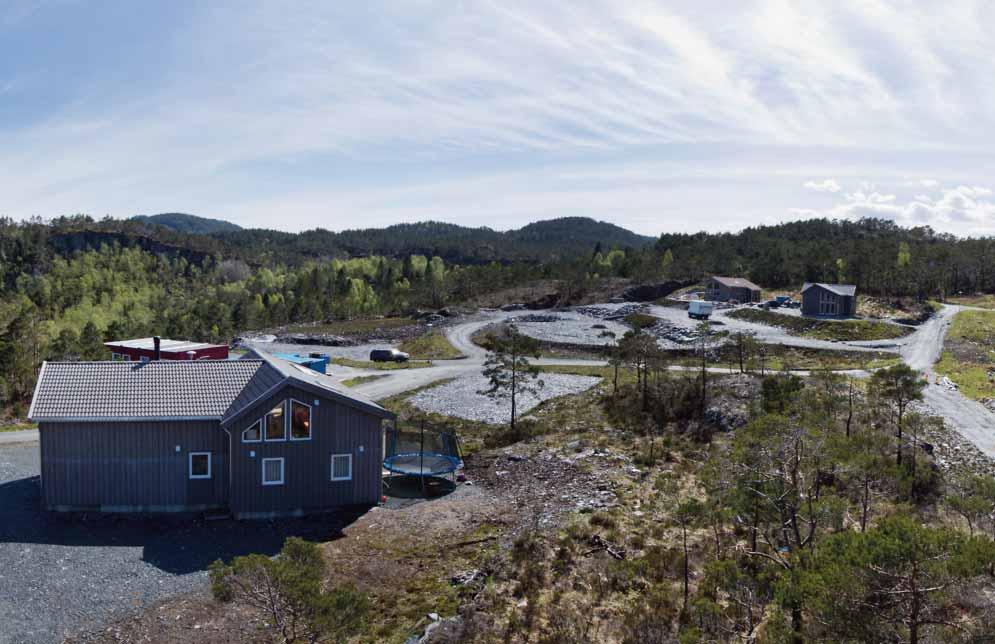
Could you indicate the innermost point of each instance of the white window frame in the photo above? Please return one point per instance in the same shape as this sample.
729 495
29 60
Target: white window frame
258 440
332 468
190 473
289 411
283 471
265 419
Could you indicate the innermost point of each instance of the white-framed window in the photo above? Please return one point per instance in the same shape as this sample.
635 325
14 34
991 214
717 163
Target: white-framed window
275 425
253 433
272 471
300 421
144 359
199 465
341 467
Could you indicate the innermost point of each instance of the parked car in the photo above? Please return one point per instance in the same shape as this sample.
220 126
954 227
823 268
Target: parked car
698 310
388 355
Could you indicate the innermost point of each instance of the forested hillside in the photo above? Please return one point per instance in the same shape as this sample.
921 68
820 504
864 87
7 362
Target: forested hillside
184 223
70 283
876 255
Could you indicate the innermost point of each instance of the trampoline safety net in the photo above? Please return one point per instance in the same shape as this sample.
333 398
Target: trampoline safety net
419 452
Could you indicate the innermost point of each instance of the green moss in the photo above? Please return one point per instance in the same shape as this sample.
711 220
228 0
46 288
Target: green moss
433 345
841 330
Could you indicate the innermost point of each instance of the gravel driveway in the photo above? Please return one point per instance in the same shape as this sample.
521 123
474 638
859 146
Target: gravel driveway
459 397
62 573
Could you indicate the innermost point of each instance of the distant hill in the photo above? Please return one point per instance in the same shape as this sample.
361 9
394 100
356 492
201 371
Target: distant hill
542 241
184 223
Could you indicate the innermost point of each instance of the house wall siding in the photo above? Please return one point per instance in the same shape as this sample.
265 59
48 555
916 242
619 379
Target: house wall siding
846 305
336 428
131 466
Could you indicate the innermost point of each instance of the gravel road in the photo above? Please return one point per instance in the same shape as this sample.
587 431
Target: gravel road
460 398
970 419
771 334
63 573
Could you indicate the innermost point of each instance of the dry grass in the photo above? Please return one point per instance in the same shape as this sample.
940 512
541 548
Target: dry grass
433 345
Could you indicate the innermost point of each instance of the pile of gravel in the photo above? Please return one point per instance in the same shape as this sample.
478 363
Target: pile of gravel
569 327
459 398
611 311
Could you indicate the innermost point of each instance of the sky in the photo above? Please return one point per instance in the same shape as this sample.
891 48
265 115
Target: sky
657 116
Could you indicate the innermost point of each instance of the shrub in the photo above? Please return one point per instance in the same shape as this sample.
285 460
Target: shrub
288 590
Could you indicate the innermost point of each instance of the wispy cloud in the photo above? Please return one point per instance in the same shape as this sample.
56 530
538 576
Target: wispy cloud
248 110
826 185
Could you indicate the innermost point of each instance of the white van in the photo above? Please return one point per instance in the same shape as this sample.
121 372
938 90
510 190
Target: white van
699 310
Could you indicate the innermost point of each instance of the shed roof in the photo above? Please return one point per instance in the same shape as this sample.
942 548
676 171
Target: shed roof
847 290
173 390
169 346
736 282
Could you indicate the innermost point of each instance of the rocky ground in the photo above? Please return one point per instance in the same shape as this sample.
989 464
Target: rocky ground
951 451
460 397
568 327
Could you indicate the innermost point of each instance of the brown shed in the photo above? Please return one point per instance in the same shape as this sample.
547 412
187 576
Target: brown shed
724 289
259 437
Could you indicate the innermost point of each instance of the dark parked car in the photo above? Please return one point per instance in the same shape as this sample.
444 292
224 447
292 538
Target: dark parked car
388 355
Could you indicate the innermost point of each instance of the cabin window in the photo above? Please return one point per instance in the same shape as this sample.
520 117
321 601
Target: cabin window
272 471
827 303
276 428
254 433
200 465
341 467
300 421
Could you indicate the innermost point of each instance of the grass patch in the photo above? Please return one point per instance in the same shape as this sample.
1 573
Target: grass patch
359 380
16 426
381 366
841 330
433 345
968 356
981 301
352 327
640 321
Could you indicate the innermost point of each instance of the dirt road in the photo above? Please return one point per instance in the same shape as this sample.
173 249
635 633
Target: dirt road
970 419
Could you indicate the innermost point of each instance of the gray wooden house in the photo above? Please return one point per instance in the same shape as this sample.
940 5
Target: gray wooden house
829 300
259 437
724 289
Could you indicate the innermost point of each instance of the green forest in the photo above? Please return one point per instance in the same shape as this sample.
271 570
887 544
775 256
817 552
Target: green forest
73 282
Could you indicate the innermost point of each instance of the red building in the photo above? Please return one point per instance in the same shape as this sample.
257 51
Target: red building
157 348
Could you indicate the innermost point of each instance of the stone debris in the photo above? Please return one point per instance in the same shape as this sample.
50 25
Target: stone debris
461 397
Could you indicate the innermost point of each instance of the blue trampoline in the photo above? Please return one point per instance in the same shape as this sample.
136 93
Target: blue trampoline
422 453
422 464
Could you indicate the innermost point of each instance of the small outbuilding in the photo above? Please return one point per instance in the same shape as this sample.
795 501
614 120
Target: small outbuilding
724 289
257 437
156 348
829 300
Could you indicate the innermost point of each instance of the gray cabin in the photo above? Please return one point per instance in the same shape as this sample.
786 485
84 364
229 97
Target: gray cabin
257 437
724 289
829 300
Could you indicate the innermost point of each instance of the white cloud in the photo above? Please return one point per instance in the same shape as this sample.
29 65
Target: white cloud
964 210
306 113
826 185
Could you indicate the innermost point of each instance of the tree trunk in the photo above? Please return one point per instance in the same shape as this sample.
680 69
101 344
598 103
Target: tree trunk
684 536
